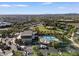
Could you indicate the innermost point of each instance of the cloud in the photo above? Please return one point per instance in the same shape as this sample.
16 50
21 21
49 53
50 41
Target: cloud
21 5
61 7
67 8
46 3
5 5
8 6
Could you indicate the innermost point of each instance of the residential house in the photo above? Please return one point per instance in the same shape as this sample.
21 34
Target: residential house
27 36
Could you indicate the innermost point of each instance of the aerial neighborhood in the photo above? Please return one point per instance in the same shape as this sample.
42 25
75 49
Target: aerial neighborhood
39 35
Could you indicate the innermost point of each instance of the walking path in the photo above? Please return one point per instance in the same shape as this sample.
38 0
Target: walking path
72 40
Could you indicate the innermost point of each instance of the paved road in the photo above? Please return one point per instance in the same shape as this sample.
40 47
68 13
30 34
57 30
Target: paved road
50 50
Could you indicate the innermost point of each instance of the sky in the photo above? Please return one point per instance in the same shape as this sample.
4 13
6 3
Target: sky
39 7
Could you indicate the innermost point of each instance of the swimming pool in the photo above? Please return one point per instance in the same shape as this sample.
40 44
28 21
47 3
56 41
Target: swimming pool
48 38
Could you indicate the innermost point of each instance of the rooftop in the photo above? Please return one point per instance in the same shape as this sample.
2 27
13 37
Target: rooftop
26 33
4 23
8 53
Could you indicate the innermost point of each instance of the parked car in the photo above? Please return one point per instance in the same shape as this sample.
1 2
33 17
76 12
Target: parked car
43 46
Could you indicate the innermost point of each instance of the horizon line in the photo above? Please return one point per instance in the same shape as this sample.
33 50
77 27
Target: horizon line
39 14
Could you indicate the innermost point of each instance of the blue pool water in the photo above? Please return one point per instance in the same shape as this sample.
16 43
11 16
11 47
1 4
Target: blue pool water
48 38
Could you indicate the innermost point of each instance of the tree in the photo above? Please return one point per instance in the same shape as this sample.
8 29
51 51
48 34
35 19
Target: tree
18 53
36 51
20 42
35 48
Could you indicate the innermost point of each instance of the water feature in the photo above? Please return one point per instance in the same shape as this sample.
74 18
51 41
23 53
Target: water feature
48 38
